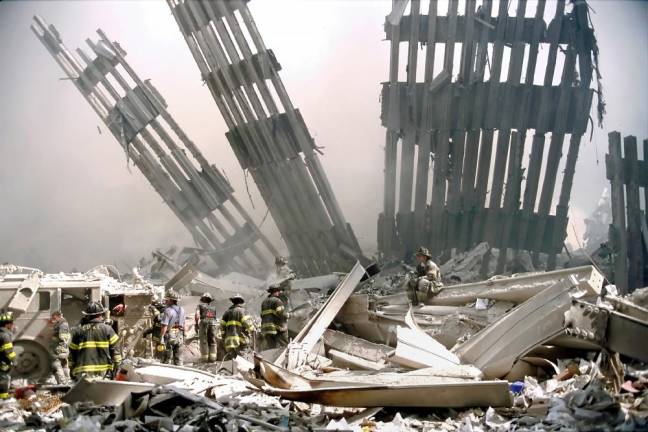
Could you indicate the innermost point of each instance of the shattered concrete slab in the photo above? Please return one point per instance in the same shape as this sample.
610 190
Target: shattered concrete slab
495 349
448 325
162 374
415 349
354 353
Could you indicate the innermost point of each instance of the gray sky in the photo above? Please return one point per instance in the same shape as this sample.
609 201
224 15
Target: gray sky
68 200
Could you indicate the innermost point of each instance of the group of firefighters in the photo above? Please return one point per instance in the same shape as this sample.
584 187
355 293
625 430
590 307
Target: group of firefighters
90 348
235 329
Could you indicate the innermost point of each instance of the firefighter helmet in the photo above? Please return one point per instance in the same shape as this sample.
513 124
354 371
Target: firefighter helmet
94 308
237 299
6 317
424 252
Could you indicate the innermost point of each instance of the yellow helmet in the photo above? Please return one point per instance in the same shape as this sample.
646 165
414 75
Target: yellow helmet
6 317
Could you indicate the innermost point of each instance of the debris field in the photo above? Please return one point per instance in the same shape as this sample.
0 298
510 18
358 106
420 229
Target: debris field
491 325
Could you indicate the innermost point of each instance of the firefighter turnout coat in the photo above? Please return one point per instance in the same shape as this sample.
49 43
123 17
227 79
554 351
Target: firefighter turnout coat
236 327
273 316
93 349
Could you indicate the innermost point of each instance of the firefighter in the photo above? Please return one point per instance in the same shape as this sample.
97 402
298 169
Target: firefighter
274 320
207 327
284 276
7 354
156 309
93 346
60 347
173 329
236 328
425 282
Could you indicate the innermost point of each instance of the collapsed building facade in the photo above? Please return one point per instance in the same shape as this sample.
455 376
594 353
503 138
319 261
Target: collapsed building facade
463 177
460 128
136 114
628 233
552 340
267 133
481 344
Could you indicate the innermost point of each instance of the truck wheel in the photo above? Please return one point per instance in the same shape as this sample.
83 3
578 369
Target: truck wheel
32 360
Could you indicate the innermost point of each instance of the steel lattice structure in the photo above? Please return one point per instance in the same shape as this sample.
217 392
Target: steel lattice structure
267 133
136 114
460 130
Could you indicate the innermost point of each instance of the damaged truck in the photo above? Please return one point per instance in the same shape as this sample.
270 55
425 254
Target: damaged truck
32 296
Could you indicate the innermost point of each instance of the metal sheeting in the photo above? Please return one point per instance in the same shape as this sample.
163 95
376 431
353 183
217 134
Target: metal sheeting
429 391
496 348
312 332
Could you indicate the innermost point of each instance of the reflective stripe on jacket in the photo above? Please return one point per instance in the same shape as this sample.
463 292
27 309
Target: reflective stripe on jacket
273 316
236 326
93 348
7 353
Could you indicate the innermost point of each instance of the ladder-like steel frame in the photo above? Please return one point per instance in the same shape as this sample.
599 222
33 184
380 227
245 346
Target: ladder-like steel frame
136 114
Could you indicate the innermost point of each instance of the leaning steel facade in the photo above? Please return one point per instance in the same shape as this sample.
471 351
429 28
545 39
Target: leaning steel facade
456 133
136 114
267 133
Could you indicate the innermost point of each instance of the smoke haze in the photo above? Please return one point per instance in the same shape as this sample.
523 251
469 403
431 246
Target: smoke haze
68 201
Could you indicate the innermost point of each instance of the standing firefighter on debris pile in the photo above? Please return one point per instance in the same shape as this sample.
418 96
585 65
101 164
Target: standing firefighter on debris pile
284 276
173 330
7 354
207 327
93 346
60 347
425 281
156 309
236 328
274 320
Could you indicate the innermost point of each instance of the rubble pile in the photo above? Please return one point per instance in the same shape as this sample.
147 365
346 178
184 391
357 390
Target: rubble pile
407 348
161 265
169 409
576 404
462 267
12 269
639 297
106 277
533 351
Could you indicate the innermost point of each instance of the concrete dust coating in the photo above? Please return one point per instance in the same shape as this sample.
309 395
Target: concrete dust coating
518 333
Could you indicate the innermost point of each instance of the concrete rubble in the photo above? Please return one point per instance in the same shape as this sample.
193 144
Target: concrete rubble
520 336
361 361
531 351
